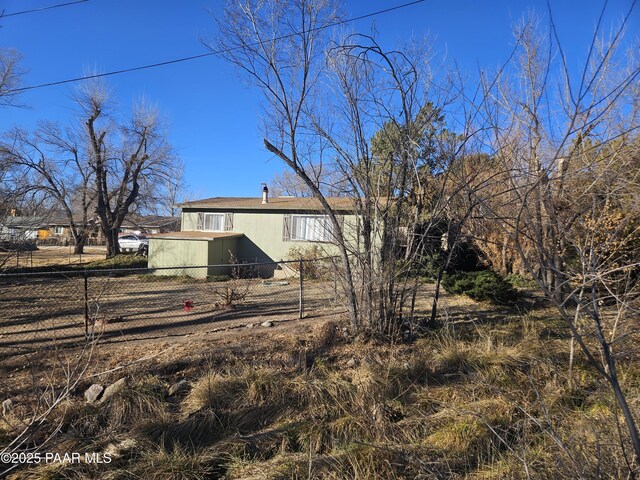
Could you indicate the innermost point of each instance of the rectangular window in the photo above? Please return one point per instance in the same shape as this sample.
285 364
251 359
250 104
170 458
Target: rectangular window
311 228
58 230
212 222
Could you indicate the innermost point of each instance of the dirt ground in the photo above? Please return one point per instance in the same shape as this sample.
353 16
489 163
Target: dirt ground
47 256
42 323
48 311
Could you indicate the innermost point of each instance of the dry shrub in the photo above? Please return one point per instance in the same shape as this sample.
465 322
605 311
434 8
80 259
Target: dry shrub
560 452
312 267
77 419
591 446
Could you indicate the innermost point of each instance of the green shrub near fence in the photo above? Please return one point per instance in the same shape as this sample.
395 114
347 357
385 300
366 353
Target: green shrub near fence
483 285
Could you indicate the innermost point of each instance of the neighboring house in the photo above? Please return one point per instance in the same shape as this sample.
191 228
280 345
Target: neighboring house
252 229
149 224
18 228
43 229
54 229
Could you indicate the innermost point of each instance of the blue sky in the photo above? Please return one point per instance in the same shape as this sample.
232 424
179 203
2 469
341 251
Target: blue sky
213 116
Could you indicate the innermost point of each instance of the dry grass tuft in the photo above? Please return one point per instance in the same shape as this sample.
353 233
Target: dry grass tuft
325 335
322 436
325 393
378 462
293 466
179 464
216 392
199 429
481 429
135 404
266 386
246 387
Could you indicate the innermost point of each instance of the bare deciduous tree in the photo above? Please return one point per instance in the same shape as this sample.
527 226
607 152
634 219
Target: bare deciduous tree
324 102
57 165
123 157
566 150
280 46
101 170
10 77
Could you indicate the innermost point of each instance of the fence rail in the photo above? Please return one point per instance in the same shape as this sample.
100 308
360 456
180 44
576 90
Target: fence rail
59 309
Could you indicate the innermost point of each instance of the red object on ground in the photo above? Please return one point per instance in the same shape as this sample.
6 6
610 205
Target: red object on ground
187 305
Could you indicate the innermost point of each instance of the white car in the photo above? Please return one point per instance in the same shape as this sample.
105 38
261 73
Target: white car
132 243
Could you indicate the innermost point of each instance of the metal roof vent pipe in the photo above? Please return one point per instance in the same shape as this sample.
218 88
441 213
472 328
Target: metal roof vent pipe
265 193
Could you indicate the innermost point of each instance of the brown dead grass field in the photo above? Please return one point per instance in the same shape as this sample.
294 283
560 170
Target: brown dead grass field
482 394
47 256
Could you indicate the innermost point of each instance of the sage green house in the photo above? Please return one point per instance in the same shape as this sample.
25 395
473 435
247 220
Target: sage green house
255 230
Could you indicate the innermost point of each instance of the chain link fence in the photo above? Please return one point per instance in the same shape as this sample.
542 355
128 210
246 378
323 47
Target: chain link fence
65 309
25 255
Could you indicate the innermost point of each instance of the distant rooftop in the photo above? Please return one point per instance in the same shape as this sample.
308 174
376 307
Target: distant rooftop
195 235
150 221
275 203
57 218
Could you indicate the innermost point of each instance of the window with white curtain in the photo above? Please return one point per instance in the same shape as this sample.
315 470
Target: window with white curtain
311 228
213 222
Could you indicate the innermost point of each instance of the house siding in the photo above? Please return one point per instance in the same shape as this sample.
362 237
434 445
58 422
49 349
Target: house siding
262 240
189 221
165 252
220 250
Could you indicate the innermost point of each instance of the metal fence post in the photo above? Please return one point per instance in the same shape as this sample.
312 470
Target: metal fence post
301 307
335 281
86 304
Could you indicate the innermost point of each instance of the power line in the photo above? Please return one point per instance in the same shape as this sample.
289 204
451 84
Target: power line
208 54
13 14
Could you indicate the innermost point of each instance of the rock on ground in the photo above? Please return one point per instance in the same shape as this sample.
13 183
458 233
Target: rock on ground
178 387
92 393
112 389
7 405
